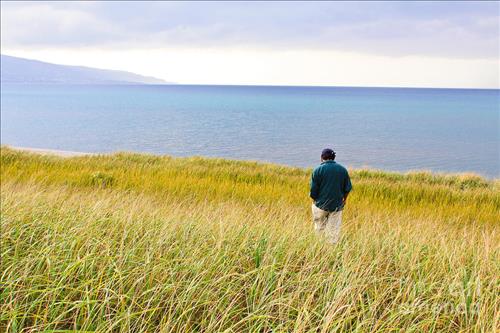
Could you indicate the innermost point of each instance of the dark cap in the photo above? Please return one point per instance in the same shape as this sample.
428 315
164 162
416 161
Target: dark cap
328 154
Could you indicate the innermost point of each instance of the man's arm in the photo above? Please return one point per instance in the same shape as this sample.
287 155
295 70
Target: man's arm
314 193
347 187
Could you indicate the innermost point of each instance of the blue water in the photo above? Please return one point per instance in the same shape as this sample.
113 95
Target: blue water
449 130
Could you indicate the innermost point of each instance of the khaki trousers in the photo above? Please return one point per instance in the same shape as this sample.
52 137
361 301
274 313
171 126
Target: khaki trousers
327 224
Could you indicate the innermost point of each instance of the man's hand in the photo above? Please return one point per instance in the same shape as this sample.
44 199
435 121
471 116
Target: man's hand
344 199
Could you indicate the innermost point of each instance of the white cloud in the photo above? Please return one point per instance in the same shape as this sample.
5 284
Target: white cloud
429 29
38 23
425 44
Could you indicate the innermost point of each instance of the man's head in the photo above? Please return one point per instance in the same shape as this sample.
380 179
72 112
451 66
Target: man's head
327 154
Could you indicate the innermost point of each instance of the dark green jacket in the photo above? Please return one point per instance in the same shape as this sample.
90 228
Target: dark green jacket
329 183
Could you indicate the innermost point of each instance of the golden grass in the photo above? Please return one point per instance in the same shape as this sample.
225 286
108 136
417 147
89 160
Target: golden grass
139 243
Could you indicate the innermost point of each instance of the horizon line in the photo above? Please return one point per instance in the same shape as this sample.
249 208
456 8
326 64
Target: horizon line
312 86
238 85
235 85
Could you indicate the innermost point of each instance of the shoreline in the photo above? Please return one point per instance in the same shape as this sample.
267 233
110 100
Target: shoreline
55 152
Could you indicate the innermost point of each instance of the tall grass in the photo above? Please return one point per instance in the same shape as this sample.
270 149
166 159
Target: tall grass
139 243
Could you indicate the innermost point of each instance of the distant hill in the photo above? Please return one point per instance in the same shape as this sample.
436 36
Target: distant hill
20 70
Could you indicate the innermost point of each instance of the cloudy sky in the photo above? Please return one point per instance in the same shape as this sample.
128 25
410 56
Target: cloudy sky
419 44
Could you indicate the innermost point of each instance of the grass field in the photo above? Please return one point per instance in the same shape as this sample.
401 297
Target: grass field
138 243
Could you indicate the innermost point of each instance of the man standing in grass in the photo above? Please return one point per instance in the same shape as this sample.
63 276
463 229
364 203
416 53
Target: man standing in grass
330 185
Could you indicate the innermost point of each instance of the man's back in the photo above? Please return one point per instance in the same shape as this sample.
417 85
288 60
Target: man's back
330 183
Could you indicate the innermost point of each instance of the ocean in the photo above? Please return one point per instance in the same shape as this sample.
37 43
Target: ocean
398 129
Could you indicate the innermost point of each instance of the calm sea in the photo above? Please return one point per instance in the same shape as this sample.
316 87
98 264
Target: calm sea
448 130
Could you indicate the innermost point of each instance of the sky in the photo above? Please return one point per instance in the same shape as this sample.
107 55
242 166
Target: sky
398 44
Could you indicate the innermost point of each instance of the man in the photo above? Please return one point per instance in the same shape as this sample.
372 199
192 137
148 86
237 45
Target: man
330 186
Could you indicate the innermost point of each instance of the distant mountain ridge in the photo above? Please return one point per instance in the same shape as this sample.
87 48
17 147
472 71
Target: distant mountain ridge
20 70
